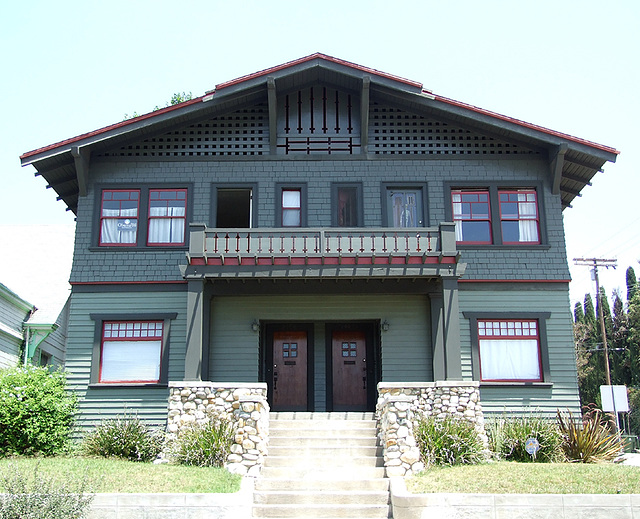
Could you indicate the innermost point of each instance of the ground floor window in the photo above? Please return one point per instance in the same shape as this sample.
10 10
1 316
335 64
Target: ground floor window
509 350
131 351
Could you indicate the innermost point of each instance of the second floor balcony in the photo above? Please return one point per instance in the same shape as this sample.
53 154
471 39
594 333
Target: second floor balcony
215 252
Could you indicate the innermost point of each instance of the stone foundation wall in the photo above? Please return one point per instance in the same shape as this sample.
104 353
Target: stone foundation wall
245 405
401 404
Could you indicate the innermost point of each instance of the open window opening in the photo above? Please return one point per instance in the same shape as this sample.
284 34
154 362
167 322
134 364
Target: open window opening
234 208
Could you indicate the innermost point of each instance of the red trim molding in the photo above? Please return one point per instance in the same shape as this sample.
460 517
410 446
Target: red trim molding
514 281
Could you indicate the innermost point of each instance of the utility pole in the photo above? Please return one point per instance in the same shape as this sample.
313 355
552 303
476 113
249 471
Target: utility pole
594 263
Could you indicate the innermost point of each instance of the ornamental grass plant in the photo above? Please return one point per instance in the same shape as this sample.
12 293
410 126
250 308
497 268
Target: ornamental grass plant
24 496
203 445
590 440
448 441
508 437
123 437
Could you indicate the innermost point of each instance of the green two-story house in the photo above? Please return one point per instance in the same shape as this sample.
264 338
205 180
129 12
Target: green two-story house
322 227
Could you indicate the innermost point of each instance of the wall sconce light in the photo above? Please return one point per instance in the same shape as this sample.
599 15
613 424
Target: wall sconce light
255 325
385 326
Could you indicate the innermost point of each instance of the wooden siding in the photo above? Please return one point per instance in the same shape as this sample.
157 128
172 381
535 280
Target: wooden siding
562 392
98 403
406 347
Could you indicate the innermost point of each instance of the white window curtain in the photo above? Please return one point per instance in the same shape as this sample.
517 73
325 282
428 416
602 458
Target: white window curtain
291 208
134 361
119 225
166 224
506 359
528 224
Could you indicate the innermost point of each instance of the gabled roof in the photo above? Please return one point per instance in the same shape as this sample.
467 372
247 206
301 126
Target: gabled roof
65 164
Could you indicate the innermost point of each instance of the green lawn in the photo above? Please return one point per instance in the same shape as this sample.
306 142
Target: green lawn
115 475
529 478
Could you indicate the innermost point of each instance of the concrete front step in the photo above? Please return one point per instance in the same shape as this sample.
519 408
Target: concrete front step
322 485
323 424
322 473
324 511
335 460
313 451
325 441
303 431
329 498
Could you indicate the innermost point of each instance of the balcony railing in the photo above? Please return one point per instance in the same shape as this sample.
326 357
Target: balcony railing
207 243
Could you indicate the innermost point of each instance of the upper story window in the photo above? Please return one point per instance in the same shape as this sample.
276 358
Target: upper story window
167 216
472 216
509 350
291 208
346 204
143 216
119 217
404 207
519 216
131 351
493 215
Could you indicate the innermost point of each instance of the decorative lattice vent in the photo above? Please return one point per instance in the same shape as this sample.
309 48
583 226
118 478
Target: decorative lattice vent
396 132
244 132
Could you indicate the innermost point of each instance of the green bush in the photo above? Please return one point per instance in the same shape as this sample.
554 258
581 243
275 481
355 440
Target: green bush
508 436
634 407
38 497
591 441
206 445
36 412
448 441
126 438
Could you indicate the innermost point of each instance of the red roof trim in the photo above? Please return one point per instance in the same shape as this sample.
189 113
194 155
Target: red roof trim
317 55
525 124
115 126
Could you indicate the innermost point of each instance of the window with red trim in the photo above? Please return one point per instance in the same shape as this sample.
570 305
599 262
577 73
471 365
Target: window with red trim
472 216
291 208
131 351
119 217
519 216
167 216
509 350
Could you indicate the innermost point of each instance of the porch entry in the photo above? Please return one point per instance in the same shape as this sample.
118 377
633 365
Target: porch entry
349 372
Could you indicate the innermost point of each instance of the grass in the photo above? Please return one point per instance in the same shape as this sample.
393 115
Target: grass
117 475
528 478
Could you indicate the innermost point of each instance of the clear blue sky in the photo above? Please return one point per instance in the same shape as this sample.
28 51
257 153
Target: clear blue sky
70 67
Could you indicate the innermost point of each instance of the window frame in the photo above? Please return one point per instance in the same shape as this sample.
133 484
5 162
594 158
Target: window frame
463 192
402 186
335 203
494 188
249 186
97 356
102 218
143 216
151 218
279 190
543 348
519 216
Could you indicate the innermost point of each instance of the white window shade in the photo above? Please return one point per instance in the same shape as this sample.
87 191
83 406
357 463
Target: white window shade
512 359
131 361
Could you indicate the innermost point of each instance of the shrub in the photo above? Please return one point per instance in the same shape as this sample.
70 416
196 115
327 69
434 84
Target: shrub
448 441
591 441
204 445
126 438
508 436
38 497
36 412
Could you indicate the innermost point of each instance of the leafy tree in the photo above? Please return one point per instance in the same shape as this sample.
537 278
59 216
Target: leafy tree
176 98
632 284
578 314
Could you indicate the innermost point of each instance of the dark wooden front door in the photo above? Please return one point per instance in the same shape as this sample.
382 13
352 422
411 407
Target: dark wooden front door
289 371
349 370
